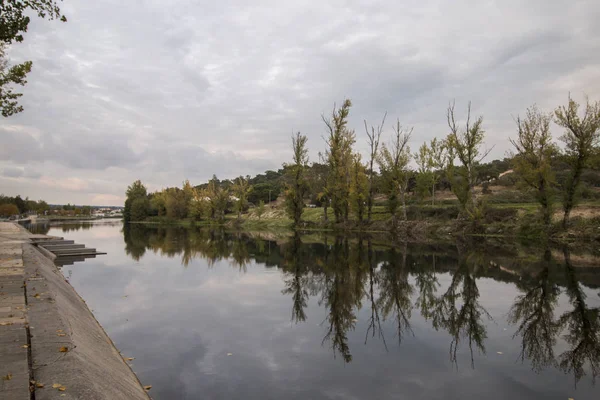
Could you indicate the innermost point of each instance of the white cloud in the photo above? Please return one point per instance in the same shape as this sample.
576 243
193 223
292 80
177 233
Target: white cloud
166 91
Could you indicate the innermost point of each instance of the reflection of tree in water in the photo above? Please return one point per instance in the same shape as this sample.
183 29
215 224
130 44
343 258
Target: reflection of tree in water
395 291
136 238
534 313
339 297
374 326
458 310
583 329
296 279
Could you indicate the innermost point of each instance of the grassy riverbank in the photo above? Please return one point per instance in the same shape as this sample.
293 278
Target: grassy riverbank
424 221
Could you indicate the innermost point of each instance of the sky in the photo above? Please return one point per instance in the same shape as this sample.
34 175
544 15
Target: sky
165 91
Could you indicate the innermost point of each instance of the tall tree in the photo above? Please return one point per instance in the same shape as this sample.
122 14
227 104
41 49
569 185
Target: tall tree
297 185
14 20
137 195
339 141
218 199
532 163
241 189
359 191
466 146
582 134
373 139
393 161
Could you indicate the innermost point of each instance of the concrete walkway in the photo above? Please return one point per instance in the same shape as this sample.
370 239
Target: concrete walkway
51 346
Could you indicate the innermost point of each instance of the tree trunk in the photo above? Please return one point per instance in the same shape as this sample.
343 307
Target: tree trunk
569 200
403 197
325 212
433 194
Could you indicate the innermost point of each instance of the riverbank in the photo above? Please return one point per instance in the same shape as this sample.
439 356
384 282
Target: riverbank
509 220
50 342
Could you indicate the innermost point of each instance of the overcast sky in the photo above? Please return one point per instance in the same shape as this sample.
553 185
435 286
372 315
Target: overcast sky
164 91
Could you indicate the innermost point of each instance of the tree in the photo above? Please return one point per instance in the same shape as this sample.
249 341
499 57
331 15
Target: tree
374 137
260 209
430 159
8 210
297 185
359 189
532 163
218 199
465 145
393 161
241 189
135 191
13 23
338 156
581 135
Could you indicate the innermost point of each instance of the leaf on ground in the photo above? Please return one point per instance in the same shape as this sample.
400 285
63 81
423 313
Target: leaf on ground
229 354
148 387
5 323
7 377
129 358
61 334
56 385
25 346
63 349
37 296
499 352
39 385
59 331
62 388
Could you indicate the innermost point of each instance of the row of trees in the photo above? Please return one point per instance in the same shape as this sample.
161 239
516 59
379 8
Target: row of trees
16 205
349 183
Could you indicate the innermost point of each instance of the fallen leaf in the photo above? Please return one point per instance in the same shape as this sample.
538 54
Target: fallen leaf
499 352
56 385
570 398
59 330
37 296
25 346
63 349
62 388
229 354
61 334
39 385
5 323
7 377
148 387
129 358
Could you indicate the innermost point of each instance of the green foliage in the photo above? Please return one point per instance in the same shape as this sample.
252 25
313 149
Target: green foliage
359 189
14 18
339 140
136 191
10 76
582 135
218 198
14 21
8 210
297 185
465 144
241 189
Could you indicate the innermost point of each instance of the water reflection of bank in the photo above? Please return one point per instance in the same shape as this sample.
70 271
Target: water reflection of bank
348 274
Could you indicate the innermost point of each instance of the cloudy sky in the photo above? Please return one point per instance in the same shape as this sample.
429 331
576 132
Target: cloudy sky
164 91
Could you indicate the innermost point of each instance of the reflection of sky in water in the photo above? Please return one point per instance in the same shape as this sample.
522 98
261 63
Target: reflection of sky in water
180 323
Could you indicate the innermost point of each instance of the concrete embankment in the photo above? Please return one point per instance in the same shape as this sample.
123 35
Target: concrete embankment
49 336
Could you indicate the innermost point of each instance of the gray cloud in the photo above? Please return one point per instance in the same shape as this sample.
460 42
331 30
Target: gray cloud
166 91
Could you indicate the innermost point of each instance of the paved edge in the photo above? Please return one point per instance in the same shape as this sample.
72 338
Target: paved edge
59 319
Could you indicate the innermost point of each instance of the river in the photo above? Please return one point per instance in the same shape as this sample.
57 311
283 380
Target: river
217 315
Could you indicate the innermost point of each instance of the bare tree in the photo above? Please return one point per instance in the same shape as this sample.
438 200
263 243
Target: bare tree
393 160
373 140
581 135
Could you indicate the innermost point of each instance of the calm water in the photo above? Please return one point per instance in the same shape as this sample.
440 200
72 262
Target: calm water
211 315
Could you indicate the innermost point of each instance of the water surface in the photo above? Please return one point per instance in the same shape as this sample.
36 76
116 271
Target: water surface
216 315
